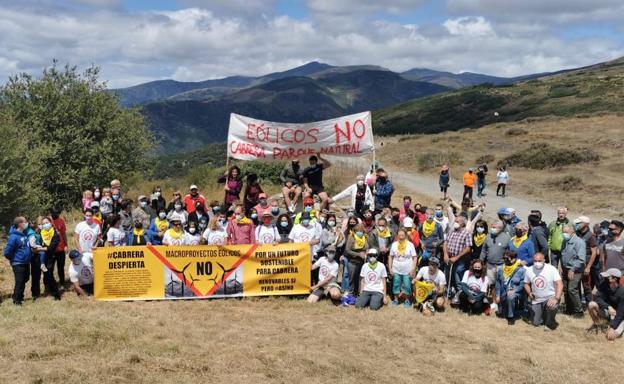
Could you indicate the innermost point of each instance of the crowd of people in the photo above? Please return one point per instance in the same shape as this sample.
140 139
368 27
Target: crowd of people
370 254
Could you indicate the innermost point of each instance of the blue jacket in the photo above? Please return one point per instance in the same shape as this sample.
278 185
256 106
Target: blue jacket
515 283
525 252
149 237
383 194
17 249
153 233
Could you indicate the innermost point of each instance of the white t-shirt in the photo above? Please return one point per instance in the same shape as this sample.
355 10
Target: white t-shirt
476 284
170 240
267 235
439 280
191 239
327 268
301 234
542 282
217 237
373 279
87 235
81 273
402 264
502 177
444 222
116 236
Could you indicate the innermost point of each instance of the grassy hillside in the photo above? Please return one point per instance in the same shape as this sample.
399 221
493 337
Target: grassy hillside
589 90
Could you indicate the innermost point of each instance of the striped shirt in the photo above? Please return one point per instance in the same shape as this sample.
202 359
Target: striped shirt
457 241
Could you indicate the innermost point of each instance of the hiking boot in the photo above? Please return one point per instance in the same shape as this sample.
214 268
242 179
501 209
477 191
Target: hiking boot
511 321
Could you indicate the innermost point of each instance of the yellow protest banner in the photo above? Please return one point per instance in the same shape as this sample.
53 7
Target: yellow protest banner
422 290
182 272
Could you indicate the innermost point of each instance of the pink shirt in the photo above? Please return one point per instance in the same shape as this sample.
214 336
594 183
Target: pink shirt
241 234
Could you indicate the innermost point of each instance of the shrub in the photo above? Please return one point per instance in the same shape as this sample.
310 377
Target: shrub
516 132
566 183
542 155
428 160
562 91
487 158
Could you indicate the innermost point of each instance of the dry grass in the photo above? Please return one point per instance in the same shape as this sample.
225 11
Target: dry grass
599 194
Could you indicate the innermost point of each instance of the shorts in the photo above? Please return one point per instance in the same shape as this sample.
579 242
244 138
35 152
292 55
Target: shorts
316 189
324 291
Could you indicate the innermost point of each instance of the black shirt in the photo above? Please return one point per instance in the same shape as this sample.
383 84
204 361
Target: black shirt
606 297
314 175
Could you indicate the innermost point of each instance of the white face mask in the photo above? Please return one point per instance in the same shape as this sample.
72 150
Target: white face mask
162 215
538 265
192 230
456 226
96 194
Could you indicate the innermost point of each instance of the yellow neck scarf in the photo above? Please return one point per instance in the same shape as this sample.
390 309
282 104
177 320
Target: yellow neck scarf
47 235
360 242
244 221
402 246
479 239
385 233
428 228
139 232
508 270
517 241
175 234
161 225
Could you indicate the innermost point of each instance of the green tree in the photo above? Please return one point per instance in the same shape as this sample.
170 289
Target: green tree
69 134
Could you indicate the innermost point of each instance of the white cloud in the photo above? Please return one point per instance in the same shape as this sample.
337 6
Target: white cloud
468 26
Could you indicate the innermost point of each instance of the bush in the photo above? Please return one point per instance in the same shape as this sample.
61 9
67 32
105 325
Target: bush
542 156
566 183
429 160
485 159
516 132
562 91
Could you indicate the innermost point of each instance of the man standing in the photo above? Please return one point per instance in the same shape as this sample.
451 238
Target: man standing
544 288
61 250
469 181
612 254
573 259
143 212
495 246
481 174
456 251
17 250
609 304
312 178
191 200
383 190
290 175
86 236
555 235
360 195
583 231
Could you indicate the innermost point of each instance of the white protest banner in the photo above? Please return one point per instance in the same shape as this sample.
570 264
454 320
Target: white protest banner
251 139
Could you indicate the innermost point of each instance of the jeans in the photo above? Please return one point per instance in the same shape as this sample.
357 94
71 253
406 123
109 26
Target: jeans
60 265
475 308
572 292
368 298
555 257
480 187
355 267
458 270
501 187
345 275
22 274
509 306
467 192
542 314
402 281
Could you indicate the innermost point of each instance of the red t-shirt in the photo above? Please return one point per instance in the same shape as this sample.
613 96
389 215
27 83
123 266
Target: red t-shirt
190 202
59 226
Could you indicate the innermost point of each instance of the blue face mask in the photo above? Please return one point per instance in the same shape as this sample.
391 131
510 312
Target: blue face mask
275 211
284 224
47 226
566 236
359 233
493 231
307 208
305 222
438 213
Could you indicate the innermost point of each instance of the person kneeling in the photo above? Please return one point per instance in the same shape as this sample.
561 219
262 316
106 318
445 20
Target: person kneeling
608 305
510 288
473 289
80 274
544 287
328 271
430 298
372 283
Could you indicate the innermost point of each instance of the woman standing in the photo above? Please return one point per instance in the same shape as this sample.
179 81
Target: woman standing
355 252
479 235
233 185
402 265
445 179
502 177
50 240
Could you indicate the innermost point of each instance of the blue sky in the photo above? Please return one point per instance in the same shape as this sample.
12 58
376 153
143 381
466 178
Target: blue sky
190 40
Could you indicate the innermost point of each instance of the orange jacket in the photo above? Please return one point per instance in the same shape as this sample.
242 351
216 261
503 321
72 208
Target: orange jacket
470 179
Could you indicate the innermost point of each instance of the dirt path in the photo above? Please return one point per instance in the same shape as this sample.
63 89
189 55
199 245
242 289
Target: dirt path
428 185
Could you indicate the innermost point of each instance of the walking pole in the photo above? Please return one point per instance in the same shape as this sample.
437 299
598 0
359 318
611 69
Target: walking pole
448 288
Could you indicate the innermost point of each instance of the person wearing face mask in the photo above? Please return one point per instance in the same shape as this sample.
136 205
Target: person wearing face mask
470 179
368 221
308 207
347 221
138 235
360 195
602 236
444 180
492 251
372 284
355 251
555 235
127 223
472 214
328 272
544 288
193 199
61 250
431 237
402 264
284 226
383 190
17 251
160 224
255 218
115 185
510 288
456 253
115 237
177 208
117 200
573 259
473 289
331 235
612 252
38 260
158 201
252 193
538 232
381 238
263 205
174 236
439 217
80 274
143 212
312 179
86 236
582 229
240 229
49 240
267 232
106 202
432 275
290 177
97 215
522 245
306 232
215 233
412 233
479 235
420 214
192 235
406 209
608 305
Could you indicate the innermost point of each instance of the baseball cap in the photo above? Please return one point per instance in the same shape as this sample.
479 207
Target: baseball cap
267 214
434 260
308 201
73 254
372 251
193 187
612 272
408 222
582 219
